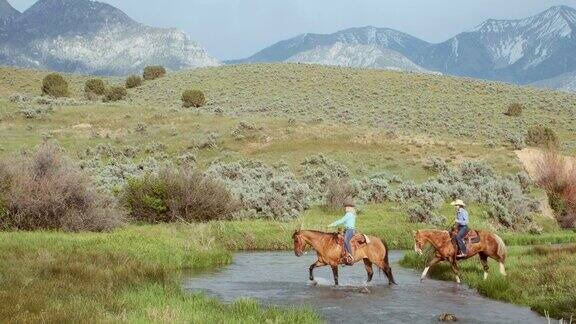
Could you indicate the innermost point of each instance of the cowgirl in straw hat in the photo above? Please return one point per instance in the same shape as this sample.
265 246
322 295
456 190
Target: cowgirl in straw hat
462 221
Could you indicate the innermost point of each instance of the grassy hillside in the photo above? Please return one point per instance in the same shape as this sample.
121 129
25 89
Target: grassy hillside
430 106
370 120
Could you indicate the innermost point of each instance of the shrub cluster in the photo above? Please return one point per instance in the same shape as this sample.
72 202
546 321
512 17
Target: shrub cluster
115 93
247 131
133 81
514 110
557 176
264 191
153 72
505 197
46 191
94 87
55 86
178 195
193 98
209 141
340 192
542 136
318 171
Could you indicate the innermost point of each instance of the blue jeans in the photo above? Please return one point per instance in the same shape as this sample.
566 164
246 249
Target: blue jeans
462 230
348 234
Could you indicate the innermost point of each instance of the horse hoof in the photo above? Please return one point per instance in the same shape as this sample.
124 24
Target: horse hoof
314 283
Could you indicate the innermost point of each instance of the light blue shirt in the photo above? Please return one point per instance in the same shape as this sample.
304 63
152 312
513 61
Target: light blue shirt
349 221
462 216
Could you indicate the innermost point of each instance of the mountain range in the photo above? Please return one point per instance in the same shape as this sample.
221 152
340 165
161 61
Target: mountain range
538 50
91 37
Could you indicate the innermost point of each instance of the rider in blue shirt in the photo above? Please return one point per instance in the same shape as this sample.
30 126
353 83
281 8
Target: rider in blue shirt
462 222
349 222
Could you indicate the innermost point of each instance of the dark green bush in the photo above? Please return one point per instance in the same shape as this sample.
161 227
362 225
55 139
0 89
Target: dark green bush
514 110
95 86
115 93
543 136
133 81
193 98
178 195
54 85
153 72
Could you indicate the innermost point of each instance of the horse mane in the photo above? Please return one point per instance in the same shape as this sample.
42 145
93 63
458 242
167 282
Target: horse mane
334 235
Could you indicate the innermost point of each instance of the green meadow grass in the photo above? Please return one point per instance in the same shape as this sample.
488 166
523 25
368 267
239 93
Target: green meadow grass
129 275
540 277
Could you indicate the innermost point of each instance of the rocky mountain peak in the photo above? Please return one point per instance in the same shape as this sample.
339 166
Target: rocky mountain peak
7 11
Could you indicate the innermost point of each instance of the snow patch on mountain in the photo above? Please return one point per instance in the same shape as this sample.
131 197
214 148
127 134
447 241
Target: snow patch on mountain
364 56
121 50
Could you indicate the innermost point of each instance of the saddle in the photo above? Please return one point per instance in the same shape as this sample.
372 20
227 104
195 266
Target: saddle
471 237
357 241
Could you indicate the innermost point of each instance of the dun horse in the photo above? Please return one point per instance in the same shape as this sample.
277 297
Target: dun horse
489 246
329 252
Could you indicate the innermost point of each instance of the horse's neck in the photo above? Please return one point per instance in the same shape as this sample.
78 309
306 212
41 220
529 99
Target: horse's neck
437 239
316 239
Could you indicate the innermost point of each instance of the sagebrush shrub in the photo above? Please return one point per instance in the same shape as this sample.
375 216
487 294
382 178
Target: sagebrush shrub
247 131
517 141
375 189
133 81
543 136
153 72
178 195
95 87
506 198
339 192
264 191
514 110
193 98
209 141
55 85
317 171
47 191
421 214
115 93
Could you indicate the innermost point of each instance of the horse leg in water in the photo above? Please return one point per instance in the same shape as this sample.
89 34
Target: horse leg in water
335 273
382 264
454 266
430 264
315 265
484 260
369 271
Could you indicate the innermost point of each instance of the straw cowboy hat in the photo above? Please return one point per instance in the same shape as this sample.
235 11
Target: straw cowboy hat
458 202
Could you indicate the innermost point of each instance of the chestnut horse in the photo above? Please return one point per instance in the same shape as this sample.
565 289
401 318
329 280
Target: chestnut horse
490 246
329 252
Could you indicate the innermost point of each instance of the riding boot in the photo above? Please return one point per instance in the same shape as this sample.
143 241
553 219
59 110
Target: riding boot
349 260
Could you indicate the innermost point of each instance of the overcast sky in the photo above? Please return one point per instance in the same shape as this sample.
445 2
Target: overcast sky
239 28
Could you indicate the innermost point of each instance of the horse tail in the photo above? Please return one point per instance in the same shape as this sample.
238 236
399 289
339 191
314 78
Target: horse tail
501 248
387 270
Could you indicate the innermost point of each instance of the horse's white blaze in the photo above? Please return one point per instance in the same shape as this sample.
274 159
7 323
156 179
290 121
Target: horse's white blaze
457 279
424 273
485 275
502 269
